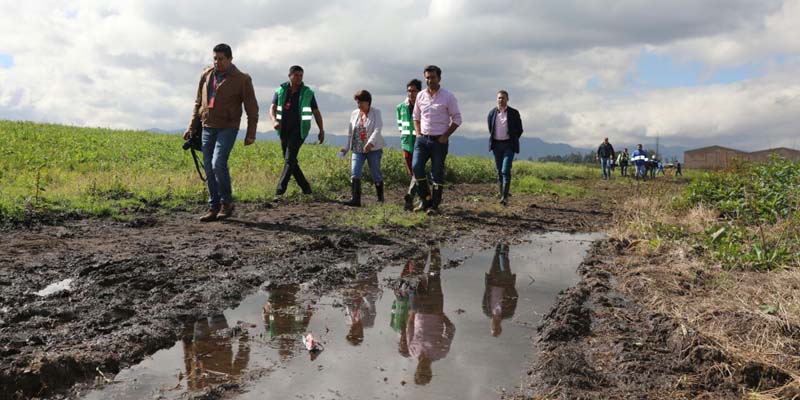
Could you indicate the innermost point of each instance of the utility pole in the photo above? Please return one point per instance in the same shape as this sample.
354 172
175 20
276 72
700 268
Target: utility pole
658 152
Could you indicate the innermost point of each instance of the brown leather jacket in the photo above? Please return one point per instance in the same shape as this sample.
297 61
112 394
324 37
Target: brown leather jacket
235 90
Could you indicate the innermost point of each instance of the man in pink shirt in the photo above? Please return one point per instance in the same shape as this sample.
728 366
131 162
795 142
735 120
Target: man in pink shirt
436 117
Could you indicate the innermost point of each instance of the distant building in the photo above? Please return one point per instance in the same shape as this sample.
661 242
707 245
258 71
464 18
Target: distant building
764 155
718 157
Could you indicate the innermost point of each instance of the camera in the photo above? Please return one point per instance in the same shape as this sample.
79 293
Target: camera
195 141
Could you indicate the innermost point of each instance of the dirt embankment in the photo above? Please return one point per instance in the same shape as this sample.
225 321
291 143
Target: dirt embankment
136 284
611 337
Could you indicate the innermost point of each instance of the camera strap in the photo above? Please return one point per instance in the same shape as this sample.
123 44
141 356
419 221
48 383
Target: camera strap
197 165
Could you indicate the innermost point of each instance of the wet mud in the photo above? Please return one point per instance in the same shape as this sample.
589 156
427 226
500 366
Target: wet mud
436 326
136 286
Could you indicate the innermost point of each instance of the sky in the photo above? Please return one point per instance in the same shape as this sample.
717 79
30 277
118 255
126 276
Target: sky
692 72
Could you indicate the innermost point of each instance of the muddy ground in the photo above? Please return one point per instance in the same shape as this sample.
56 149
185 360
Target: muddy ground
604 339
137 283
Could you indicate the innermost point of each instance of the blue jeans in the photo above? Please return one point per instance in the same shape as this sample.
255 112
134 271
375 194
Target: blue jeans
429 148
374 160
605 163
503 158
217 146
641 171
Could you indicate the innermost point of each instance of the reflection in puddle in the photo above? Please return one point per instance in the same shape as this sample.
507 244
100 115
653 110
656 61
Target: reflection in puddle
500 296
429 332
57 287
214 353
392 334
360 308
286 316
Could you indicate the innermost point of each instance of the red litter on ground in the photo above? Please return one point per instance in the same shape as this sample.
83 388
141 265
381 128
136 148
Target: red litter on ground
312 344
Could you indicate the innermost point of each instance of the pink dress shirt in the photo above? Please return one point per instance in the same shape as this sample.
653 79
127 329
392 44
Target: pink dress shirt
501 125
436 112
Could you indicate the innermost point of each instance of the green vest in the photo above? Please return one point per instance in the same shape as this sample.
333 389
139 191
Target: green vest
306 94
405 123
399 315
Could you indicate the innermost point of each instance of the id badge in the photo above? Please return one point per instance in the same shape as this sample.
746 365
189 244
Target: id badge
363 134
211 102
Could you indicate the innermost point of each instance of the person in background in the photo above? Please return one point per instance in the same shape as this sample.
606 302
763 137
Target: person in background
405 123
366 142
623 159
678 168
505 129
222 91
605 153
639 159
293 106
653 165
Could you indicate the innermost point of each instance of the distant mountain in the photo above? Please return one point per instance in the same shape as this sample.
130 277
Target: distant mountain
531 148
156 130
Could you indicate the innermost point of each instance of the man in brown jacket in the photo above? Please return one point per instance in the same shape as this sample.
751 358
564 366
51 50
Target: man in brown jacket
221 93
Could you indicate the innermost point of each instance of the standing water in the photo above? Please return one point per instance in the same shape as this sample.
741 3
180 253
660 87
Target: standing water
423 329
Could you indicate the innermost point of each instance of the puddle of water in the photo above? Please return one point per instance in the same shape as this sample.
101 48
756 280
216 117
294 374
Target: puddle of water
451 332
57 287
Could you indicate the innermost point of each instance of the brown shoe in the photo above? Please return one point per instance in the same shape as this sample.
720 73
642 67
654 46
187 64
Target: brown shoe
226 211
210 215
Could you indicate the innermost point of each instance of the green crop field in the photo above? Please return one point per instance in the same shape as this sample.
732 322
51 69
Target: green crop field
51 172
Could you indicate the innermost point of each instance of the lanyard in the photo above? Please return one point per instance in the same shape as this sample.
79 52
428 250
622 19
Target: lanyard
215 85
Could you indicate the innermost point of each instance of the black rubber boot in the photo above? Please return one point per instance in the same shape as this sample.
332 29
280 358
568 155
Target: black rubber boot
409 196
504 193
436 198
355 200
379 191
424 195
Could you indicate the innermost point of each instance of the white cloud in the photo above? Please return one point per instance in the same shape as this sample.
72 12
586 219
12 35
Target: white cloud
570 65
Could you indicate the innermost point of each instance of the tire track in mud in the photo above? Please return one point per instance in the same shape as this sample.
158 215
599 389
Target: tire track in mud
597 343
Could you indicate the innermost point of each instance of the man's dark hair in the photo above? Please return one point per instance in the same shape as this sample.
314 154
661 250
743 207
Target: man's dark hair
363 95
433 68
295 68
224 49
415 83
503 92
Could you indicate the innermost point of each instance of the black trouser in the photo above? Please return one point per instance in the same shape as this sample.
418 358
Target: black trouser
290 144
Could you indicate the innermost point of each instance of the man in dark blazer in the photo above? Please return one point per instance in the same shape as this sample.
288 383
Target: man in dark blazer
505 128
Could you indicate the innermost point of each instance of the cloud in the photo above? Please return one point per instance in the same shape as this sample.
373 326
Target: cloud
572 67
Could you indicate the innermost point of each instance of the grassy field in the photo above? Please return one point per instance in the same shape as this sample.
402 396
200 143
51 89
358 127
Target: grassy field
746 218
51 172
